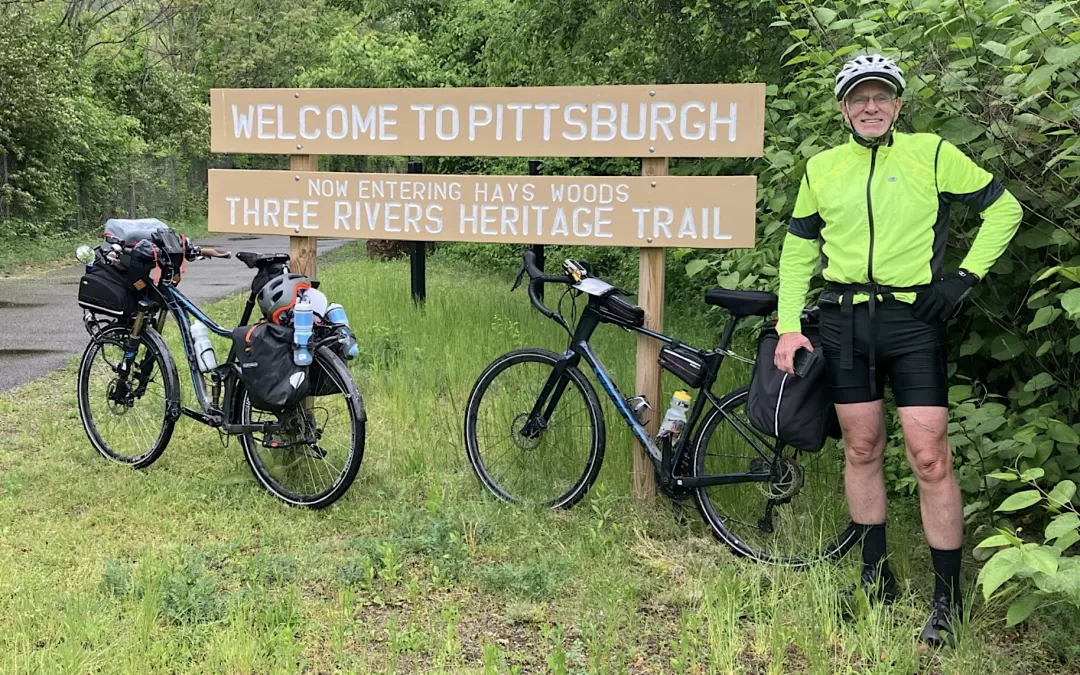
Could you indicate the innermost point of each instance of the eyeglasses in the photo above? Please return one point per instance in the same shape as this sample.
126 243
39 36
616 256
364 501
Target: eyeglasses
861 101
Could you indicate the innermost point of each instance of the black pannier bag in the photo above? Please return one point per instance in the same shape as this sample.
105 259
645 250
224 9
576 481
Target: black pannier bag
264 352
797 411
103 290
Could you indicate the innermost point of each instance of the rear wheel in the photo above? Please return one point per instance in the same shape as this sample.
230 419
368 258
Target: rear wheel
129 418
550 461
796 518
314 457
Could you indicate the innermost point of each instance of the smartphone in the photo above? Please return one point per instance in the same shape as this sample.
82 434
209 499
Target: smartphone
804 361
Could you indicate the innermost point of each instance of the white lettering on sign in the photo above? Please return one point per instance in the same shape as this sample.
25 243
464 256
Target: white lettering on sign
633 211
600 122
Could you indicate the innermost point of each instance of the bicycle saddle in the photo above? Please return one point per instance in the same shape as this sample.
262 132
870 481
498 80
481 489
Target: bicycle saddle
742 303
262 260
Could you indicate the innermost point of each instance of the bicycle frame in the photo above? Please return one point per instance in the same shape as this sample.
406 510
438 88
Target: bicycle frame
173 302
664 459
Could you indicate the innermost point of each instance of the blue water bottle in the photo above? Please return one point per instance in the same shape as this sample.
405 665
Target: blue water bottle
335 314
302 328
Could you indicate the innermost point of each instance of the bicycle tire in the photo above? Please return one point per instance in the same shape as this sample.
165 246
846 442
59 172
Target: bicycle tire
832 549
339 372
155 345
595 459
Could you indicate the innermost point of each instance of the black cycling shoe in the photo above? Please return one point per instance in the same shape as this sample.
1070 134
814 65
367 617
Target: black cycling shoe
877 587
939 630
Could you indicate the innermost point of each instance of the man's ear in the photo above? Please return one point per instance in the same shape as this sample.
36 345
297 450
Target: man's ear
843 110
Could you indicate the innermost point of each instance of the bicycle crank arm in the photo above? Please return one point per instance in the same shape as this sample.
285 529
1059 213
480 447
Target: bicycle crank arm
210 420
265 428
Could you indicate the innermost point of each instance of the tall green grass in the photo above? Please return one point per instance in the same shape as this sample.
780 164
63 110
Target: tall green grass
188 566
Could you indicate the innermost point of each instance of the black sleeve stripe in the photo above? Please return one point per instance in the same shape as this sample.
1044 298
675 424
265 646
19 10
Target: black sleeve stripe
807 228
979 199
937 154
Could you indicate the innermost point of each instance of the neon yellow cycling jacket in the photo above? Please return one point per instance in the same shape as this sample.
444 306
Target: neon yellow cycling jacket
881 216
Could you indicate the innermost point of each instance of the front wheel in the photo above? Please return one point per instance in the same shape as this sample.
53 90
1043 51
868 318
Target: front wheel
797 517
313 458
548 460
128 416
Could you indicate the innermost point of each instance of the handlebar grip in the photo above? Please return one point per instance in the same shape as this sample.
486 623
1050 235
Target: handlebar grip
535 298
537 274
214 253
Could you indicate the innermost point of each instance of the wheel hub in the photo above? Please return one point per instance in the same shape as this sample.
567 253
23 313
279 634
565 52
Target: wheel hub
525 435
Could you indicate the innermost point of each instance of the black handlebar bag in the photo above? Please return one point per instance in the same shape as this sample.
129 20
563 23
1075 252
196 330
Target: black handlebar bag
798 411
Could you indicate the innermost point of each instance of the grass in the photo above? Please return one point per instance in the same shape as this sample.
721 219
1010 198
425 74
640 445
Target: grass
188 566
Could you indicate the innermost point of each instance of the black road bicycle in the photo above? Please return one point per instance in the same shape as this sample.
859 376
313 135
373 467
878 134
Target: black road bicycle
535 432
129 395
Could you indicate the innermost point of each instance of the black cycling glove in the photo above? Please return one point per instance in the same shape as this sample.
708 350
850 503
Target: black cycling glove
944 297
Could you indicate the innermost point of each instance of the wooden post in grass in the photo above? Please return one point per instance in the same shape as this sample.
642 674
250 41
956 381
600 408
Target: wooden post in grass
303 250
537 249
651 299
418 257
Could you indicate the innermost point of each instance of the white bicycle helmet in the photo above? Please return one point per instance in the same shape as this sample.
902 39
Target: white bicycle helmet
279 294
869 67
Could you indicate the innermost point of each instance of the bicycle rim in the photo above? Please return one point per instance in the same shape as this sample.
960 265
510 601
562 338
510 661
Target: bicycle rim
322 439
797 518
126 420
553 466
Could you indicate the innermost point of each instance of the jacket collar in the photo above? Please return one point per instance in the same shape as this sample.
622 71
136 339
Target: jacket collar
854 144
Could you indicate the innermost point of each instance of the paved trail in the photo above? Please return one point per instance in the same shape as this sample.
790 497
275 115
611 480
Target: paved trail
41 321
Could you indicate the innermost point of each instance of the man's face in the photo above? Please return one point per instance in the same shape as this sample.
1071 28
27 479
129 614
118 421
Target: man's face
871 107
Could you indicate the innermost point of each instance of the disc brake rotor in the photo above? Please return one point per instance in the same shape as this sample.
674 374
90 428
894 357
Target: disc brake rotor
787 481
526 440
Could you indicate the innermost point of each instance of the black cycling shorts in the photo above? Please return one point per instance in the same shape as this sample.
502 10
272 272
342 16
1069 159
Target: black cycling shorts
910 352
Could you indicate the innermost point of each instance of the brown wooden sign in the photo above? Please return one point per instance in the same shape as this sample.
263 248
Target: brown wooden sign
693 211
690 120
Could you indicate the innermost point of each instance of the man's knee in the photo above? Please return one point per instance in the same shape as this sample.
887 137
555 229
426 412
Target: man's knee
863 449
932 466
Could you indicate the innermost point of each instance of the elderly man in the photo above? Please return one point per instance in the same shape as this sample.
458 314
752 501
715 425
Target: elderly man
874 214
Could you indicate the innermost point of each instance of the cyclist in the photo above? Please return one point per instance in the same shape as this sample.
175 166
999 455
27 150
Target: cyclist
875 211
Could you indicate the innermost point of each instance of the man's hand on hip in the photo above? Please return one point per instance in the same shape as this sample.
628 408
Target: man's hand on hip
944 297
784 356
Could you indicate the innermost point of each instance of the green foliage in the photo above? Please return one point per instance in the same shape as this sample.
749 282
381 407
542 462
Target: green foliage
1033 573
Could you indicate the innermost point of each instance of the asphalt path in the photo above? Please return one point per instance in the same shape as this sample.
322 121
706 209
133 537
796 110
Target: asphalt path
41 321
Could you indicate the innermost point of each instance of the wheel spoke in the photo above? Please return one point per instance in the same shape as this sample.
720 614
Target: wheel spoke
794 518
553 467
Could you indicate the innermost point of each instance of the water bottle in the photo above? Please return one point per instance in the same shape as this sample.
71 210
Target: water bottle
204 351
675 417
302 328
335 314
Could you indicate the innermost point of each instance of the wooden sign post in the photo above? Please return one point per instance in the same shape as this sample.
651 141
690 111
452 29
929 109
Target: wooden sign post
651 270
303 250
651 212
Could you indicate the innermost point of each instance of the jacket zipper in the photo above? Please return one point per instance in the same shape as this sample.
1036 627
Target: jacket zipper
870 215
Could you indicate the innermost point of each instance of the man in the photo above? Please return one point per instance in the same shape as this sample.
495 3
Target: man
874 212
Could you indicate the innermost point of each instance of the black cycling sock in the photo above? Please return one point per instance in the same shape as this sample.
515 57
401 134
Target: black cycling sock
947 575
873 551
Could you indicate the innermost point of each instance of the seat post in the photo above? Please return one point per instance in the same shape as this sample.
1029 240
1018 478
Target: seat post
729 330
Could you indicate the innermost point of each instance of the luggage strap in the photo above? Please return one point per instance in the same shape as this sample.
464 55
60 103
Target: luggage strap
847 327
